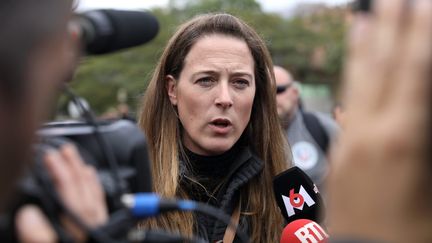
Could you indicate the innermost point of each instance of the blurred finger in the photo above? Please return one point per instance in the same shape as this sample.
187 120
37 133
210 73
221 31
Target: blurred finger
387 32
358 61
94 183
73 159
58 170
33 227
76 167
414 87
94 194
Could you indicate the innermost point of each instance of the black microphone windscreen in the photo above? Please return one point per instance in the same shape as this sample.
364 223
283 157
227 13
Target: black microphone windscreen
297 196
107 30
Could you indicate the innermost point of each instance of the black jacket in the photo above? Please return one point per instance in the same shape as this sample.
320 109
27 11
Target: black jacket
246 166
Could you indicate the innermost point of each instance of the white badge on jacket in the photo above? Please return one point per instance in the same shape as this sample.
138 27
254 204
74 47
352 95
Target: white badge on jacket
305 155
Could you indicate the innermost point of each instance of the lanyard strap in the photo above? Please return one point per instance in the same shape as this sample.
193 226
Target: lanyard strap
235 218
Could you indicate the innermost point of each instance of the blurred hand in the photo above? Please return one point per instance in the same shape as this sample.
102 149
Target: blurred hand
379 187
78 187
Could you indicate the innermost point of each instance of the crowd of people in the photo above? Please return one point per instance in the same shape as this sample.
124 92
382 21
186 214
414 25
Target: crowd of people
222 122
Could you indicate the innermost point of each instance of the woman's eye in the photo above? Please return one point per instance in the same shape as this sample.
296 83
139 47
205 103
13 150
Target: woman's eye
206 82
241 83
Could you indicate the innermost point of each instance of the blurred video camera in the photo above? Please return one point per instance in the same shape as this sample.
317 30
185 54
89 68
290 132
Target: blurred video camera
117 149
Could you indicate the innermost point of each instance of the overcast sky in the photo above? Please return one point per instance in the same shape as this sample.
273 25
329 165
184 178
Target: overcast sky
268 5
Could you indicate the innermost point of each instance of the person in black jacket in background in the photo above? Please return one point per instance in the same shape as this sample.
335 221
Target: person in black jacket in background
309 134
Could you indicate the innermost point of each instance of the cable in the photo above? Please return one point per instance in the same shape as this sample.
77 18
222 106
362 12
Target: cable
143 205
110 158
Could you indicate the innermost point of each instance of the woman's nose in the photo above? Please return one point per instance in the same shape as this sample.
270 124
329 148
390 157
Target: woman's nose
224 99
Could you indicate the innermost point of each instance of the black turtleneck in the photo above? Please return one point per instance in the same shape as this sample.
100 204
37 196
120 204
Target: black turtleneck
211 172
217 180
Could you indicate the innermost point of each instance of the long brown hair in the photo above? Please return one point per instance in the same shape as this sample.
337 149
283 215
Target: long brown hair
160 123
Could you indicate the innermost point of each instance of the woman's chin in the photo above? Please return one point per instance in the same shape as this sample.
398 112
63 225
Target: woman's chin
217 149
211 147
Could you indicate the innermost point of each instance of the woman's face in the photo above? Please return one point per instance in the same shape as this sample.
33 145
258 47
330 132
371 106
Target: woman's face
214 93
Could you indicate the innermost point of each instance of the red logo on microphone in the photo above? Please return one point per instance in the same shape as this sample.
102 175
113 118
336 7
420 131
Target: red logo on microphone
304 231
296 199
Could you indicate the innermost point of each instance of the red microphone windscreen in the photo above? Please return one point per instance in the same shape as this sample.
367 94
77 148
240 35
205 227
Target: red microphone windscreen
303 231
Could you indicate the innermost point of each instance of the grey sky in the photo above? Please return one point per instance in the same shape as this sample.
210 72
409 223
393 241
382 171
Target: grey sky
268 5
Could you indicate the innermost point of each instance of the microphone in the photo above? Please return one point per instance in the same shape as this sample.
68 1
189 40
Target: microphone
107 30
303 231
297 196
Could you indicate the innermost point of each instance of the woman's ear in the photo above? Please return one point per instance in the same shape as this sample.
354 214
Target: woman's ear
171 86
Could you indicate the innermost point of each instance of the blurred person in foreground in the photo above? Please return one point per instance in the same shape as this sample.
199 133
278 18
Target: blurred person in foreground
210 116
309 134
380 184
36 58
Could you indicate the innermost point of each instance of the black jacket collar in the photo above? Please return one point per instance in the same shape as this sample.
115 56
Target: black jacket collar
246 167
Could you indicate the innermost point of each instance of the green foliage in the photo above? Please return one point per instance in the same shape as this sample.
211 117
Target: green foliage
293 42
299 39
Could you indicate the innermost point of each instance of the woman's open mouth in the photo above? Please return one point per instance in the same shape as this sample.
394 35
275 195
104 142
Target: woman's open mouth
221 125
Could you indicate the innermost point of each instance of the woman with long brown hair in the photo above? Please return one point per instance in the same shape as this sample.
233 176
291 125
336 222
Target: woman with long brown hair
210 116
